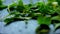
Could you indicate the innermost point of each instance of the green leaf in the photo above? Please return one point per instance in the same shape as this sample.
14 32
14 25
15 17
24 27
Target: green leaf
20 2
8 21
20 6
1 2
57 27
44 20
12 6
39 4
2 7
56 18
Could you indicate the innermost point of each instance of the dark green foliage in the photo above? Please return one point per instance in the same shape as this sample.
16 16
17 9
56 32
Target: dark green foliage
55 21
57 28
8 21
20 3
55 14
30 5
12 7
20 9
20 6
2 7
1 2
35 17
42 27
45 8
58 1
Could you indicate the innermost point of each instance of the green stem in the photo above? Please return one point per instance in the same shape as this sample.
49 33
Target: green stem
8 8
